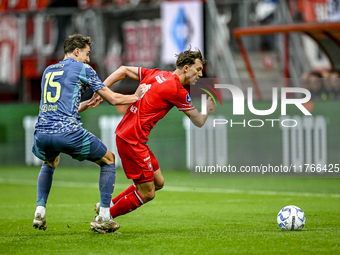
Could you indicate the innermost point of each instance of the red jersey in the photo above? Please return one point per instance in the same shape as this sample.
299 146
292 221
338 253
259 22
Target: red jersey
165 92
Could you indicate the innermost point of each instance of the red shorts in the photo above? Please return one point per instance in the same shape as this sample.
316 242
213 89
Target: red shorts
138 161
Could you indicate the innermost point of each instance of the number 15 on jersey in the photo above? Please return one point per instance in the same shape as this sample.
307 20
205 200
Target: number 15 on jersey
48 95
49 82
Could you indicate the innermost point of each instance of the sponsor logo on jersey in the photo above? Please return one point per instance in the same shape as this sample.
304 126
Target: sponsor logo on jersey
160 78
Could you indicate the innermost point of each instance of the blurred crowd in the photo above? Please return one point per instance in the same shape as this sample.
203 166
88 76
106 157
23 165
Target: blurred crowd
323 85
20 5
120 3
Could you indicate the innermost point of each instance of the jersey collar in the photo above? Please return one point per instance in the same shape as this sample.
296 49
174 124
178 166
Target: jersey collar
69 59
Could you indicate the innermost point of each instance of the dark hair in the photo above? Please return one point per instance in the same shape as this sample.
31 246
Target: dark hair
76 41
188 57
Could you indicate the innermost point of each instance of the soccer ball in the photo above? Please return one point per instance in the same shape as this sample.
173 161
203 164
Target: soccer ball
291 217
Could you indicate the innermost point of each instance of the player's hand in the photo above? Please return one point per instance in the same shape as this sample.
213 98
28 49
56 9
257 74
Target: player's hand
95 100
141 90
210 105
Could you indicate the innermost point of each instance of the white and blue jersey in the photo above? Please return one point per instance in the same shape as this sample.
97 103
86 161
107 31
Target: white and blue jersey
61 88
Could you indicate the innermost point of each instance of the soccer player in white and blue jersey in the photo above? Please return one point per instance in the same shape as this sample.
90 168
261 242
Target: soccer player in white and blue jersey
59 130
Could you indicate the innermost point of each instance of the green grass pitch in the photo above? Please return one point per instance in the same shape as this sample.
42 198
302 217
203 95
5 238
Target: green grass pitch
189 216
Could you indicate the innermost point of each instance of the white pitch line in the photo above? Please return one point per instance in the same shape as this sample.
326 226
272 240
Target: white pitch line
249 192
49 205
179 189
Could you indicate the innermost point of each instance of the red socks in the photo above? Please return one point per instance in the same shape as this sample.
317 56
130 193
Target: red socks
130 189
126 204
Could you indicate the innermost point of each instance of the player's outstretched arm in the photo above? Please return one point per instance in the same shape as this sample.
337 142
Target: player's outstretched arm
114 98
199 119
121 73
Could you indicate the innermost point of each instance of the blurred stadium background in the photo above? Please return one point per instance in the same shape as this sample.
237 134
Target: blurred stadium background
248 43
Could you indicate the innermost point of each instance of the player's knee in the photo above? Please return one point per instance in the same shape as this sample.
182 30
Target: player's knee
109 158
112 158
147 191
53 163
148 196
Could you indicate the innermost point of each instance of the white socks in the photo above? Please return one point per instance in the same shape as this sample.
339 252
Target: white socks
40 209
104 212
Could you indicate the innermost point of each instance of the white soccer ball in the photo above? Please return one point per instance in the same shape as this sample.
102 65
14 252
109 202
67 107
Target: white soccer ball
291 217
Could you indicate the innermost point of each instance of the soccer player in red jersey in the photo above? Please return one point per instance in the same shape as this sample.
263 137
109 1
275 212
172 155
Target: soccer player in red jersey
165 91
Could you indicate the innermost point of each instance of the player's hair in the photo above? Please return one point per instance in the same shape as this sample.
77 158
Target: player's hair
188 57
76 41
